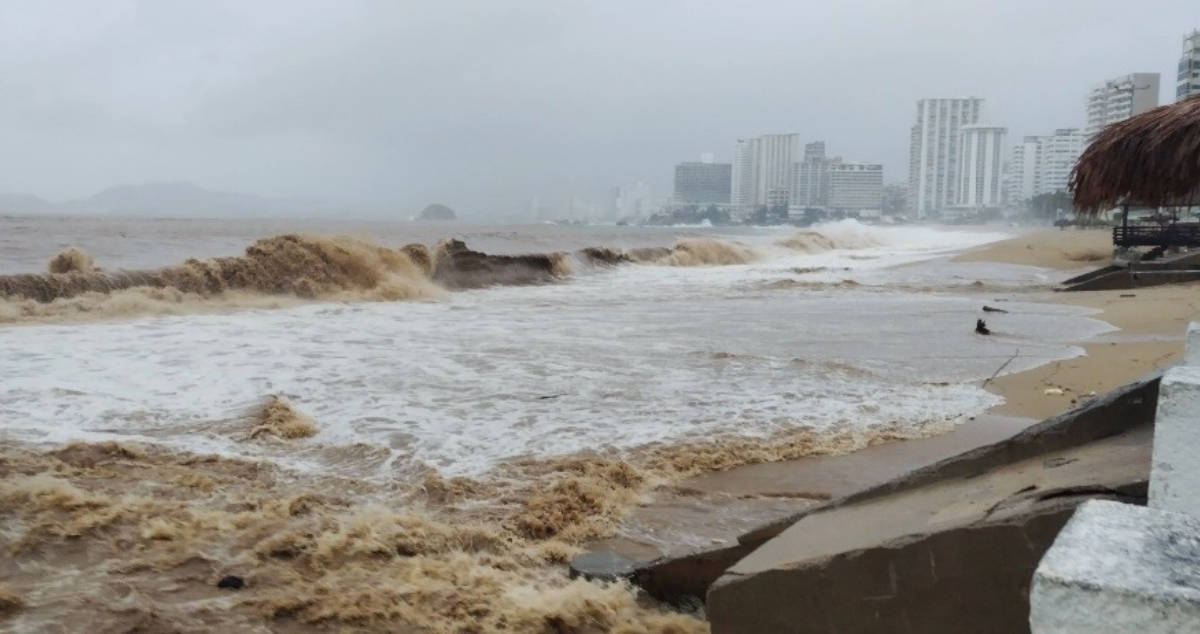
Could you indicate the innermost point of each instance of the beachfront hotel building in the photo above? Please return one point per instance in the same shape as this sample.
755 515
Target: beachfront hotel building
855 187
703 182
1188 79
980 167
810 178
762 171
1021 174
934 161
744 178
1057 154
1120 98
1042 164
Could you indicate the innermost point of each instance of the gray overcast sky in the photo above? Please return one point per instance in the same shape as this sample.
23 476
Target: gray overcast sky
483 104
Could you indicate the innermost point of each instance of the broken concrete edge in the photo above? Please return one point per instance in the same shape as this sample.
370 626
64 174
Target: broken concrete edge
1119 568
685 580
1121 276
1125 280
985 564
1091 275
686 577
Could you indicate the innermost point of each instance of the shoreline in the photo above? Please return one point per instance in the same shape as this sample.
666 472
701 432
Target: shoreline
1149 333
98 492
1149 324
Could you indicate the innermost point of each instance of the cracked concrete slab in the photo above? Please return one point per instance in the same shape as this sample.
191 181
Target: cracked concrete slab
948 548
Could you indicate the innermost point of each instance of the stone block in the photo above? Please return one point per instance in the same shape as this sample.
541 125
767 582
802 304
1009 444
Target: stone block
1119 568
1191 354
966 579
1175 471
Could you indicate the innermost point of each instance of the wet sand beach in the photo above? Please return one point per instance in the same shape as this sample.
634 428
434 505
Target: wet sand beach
1151 322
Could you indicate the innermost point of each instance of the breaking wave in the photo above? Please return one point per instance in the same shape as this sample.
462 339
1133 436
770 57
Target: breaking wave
303 266
71 260
273 272
845 234
689 252
455 266
279 418
286 269
708 252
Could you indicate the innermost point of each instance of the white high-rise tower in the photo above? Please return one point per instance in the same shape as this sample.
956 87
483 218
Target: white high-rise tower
744 175
1120 98
1188 79
933 160
762 171
981 156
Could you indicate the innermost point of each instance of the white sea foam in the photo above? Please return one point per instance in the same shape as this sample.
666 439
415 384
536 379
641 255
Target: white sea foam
610 360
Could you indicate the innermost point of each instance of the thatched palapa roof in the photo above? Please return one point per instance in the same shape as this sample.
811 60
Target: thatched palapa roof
1152 160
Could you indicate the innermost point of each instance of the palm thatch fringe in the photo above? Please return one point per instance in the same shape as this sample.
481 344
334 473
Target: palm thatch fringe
1152 160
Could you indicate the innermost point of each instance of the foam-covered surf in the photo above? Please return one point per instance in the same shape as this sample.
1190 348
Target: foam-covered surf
383 465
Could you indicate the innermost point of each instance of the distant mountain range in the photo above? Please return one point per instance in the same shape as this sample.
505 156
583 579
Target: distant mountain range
180 199
24 203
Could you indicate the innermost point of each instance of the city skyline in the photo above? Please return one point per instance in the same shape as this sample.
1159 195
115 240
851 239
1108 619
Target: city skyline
1041 164
367 102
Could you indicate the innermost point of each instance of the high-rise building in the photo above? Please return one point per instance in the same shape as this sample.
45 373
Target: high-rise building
855 187
1188 79
776 153
980 167
1120 98
1043 164
1021 175
703 183
810 178
814 150
762 171
1057 155
742 189
933 159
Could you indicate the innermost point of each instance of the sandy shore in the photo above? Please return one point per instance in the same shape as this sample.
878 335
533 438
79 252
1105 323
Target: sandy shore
1151 322
1063 250
1150 326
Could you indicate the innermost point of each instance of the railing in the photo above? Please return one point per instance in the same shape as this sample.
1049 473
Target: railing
1174 235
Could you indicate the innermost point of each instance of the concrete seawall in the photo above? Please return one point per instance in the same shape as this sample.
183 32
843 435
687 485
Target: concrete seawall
1181 268
950 544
